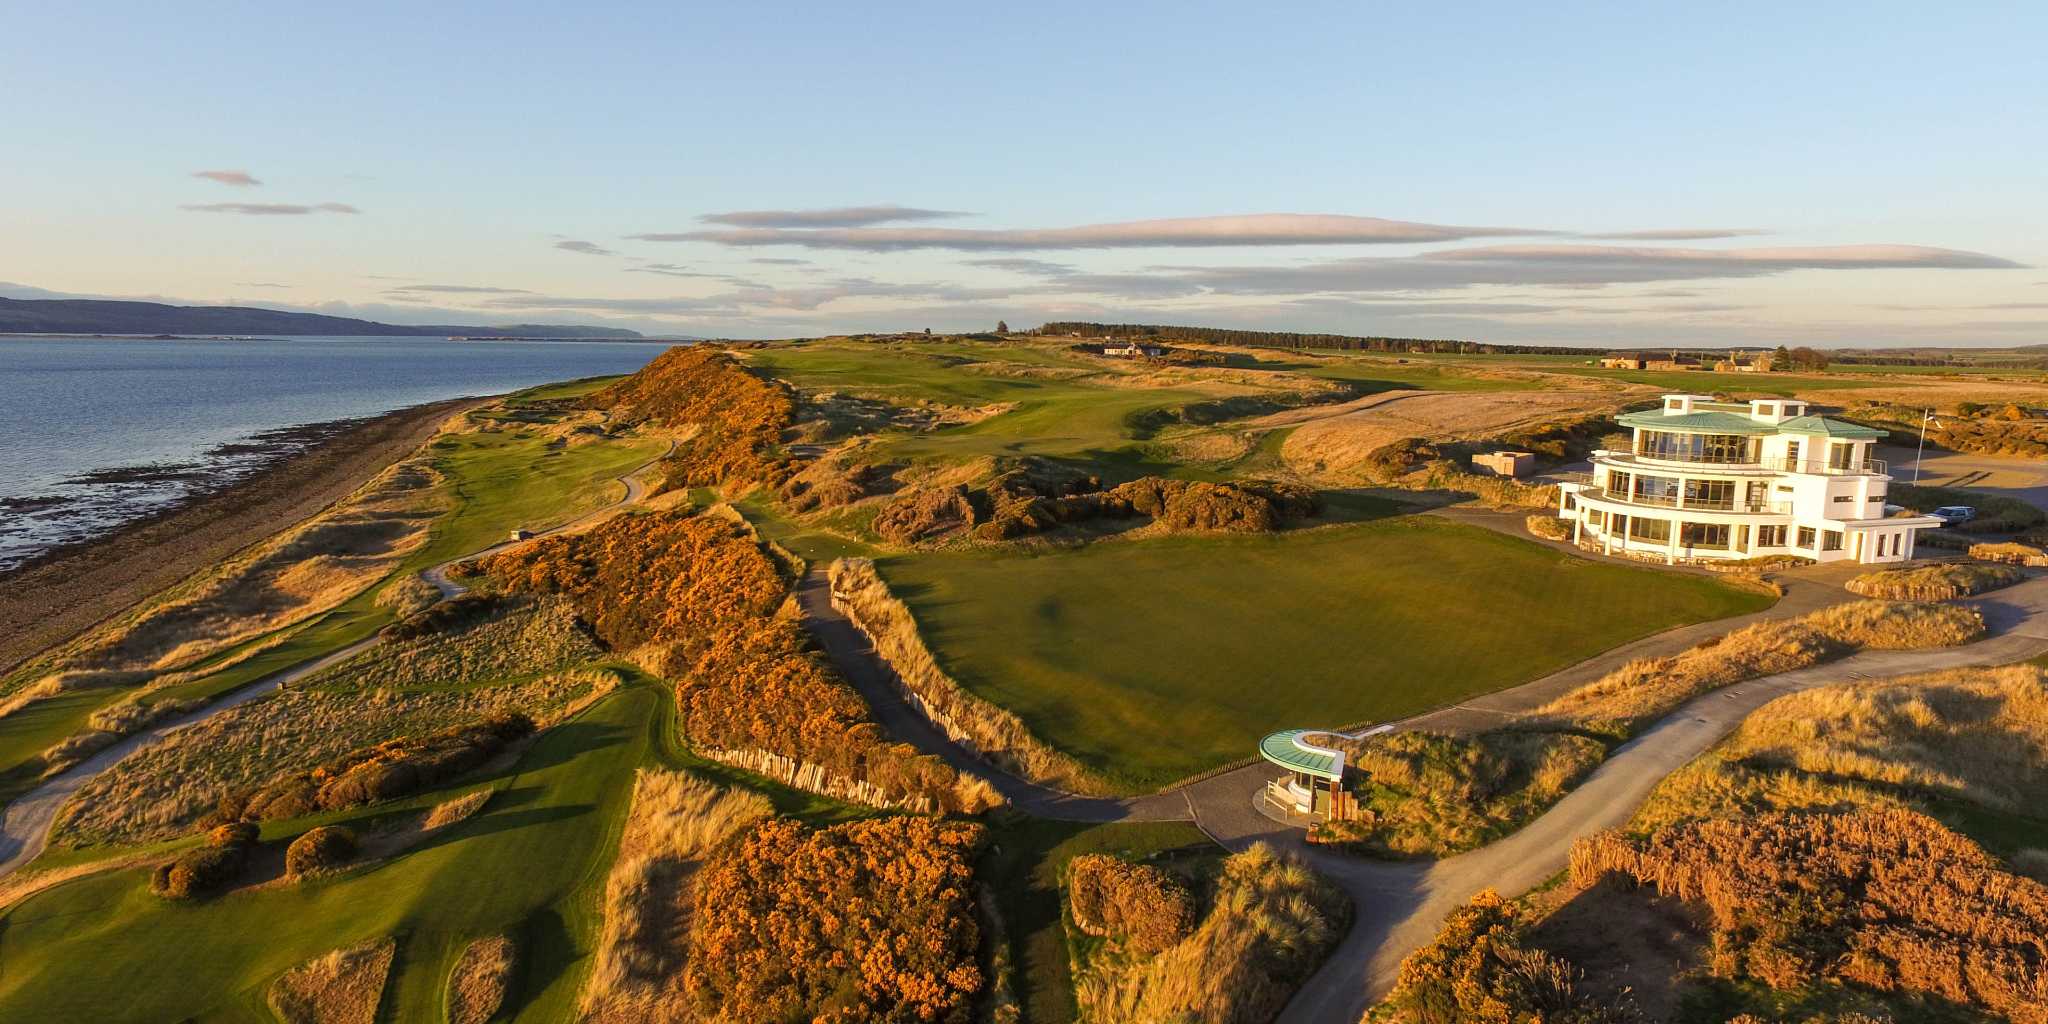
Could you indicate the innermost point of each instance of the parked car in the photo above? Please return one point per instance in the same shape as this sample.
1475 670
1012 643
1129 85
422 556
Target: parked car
1953 515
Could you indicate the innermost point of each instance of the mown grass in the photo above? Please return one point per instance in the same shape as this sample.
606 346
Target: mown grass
1372 377
1024 860
1153 660
529 863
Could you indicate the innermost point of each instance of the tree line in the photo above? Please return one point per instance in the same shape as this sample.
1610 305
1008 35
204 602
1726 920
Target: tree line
1294 339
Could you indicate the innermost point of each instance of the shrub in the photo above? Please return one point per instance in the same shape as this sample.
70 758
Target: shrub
207 868
2010 553
1432 794
926 513
449 615
1241 507
1270 923
867 921
1143 905
1548 526
696 598
1889 900
386 771
1933 582
1480 970
320 849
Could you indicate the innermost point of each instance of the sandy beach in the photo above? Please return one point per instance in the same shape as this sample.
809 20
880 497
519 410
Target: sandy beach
71 589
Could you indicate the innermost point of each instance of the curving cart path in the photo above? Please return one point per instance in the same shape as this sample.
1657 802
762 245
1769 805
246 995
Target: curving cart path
1400 905
25 823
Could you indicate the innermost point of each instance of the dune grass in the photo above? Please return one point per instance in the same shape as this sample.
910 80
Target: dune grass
1153 660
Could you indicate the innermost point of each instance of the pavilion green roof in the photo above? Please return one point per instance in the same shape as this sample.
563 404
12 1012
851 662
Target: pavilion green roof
1291 750
1697 423
1733 423
1822 427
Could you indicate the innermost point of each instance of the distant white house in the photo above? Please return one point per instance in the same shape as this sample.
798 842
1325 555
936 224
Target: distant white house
1706 479
1133 349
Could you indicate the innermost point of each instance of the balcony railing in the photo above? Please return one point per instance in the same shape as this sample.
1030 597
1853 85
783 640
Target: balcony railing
1781 508
1773 464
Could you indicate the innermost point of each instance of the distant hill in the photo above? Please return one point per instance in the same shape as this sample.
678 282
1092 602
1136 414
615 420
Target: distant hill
105 316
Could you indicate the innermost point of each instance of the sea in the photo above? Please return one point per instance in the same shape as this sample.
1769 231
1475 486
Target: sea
98 432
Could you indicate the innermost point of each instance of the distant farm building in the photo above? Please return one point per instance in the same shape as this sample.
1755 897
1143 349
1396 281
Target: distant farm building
1508 464
1622 361
1133 350
1741 362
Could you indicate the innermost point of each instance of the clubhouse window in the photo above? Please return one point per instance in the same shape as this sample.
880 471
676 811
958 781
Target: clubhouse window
1640 528
1806 537
1770 536
1596 517
1831 540
1704 535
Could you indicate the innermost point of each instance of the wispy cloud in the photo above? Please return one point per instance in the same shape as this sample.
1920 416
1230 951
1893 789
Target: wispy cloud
1569 266
1678 234
1025 265
586 248
260 284
457 289
781 261
1261 229
271 209
833 217
239 179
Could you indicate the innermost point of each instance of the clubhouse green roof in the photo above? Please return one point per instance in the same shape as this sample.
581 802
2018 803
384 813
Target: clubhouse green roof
1290 750
1732 423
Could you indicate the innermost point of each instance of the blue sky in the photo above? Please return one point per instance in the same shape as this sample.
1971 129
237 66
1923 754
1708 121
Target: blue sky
1836 174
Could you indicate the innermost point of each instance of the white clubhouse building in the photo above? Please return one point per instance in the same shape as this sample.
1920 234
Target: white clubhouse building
1706 479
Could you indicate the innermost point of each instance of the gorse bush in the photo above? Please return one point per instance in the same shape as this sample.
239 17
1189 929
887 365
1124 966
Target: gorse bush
386 771
1889 900
207 868
737 417
697 600
871 921
1480 971
1138 903
1933 582
453 613
320 849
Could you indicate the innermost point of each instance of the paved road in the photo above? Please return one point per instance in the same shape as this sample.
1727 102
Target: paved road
25 824
1400 906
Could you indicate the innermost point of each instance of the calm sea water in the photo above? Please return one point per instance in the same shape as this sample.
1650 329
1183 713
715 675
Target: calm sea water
77 414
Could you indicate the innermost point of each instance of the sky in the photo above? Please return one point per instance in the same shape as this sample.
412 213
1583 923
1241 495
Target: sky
1603 175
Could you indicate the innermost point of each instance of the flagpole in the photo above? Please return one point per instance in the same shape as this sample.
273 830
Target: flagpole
1922 454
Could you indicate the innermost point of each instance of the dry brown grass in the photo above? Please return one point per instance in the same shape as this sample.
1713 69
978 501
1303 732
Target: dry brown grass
1933 582
1270 923
302 572
448 812
343 987
531 635
675 820
1978 735
1647 689
1334 443
477 985
160 790
1548 527
989 730
2010 552
1434 795
408 594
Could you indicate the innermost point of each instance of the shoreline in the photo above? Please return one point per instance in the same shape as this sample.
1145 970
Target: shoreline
73 587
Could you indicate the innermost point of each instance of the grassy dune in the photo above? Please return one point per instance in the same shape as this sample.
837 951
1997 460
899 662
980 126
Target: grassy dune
1150 661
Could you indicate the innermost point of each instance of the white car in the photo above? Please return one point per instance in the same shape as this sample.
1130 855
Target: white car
1953 514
